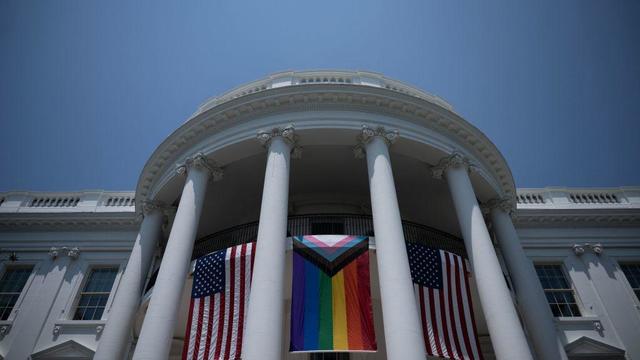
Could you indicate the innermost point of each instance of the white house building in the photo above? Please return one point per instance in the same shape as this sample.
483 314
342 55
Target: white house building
554 272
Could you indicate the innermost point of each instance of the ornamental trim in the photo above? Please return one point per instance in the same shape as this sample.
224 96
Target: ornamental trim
367 134
451 161
201 162
349 97
288 134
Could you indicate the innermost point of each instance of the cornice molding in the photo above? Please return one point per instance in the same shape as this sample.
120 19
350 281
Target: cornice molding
322 97
66 221
586 218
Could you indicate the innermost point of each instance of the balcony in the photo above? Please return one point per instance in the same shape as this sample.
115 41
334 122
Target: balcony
323 224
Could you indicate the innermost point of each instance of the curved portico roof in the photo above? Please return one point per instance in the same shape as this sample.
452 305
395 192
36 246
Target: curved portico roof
321 90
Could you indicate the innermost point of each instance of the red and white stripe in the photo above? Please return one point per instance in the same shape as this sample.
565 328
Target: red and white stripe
216 323
447 317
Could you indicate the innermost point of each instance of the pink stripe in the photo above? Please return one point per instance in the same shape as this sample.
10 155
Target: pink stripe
326 247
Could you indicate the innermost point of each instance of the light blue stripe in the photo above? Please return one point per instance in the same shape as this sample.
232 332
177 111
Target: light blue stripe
331 256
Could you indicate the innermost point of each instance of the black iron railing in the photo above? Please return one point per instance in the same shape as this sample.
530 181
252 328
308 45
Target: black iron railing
324 224
328 224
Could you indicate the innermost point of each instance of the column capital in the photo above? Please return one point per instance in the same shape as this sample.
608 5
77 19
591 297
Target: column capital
451 161
200 161
151 206
503 204
367 134
288 134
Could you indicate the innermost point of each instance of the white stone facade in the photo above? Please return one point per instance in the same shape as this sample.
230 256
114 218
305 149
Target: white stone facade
418 167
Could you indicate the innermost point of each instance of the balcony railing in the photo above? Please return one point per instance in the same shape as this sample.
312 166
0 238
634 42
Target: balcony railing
337 224
326 225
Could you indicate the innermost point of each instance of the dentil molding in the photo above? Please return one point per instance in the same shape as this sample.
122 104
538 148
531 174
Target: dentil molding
329 96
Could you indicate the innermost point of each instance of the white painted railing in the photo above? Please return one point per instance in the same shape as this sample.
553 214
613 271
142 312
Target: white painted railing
568 197
292 78
82 201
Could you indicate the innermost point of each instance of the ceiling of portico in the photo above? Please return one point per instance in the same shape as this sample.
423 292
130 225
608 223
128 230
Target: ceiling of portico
327 179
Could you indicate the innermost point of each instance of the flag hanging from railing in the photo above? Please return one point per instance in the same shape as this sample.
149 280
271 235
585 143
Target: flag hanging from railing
331 294
219 299
441 285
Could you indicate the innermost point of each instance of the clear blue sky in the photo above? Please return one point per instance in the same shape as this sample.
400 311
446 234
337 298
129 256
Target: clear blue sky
88 89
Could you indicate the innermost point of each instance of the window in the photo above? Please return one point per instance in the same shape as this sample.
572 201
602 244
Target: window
94 296
11 285
329 356
327 228
632 272
557 290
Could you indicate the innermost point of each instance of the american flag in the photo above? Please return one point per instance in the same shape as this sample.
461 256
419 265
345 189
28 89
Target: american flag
441 285
219 299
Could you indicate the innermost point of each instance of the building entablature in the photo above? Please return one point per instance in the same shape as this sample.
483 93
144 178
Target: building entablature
95 208
91 201
78 210
296 78
561 206
332 113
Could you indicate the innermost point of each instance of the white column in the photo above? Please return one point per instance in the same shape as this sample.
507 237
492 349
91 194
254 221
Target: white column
507 335
159 323
263 336
117 332
402 327
533 303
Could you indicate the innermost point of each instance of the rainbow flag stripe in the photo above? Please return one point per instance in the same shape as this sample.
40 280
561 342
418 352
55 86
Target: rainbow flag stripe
331 310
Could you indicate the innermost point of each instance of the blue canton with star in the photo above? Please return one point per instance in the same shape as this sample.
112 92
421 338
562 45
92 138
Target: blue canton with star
426 266
209 277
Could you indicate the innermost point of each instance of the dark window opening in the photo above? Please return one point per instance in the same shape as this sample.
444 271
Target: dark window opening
327 228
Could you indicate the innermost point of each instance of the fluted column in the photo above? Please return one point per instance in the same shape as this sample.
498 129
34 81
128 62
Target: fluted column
117 332
507 335
263 336
533 303
402 328
155 338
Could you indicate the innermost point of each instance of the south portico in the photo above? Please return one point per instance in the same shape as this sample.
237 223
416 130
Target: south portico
449 151
392 273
